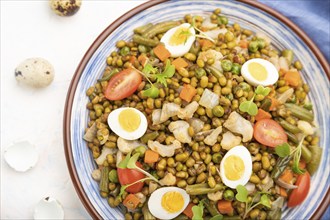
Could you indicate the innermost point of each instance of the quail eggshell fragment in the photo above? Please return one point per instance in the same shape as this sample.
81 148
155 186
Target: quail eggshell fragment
65 7
35 72
21 156
48 208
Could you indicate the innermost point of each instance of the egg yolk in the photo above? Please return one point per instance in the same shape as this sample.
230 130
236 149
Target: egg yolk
258 71
172 202
129 120
234 167
180 36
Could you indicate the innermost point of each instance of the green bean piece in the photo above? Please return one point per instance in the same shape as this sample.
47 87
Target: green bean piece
222 20
306 154
253 46
214 71
228 195
280 166
108 76
289 127
202 188
142 29
149 136
288 54
159 28
146 213
211 207
236 68
292 137
300 112
145 41
124 51
104 182
226 65
113 176
316 152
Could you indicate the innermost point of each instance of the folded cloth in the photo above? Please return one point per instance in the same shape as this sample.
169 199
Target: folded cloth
312 16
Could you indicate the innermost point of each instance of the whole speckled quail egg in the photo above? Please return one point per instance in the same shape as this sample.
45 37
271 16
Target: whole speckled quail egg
35 72
65 7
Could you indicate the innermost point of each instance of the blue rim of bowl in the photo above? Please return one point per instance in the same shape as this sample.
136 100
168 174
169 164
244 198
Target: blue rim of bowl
75 80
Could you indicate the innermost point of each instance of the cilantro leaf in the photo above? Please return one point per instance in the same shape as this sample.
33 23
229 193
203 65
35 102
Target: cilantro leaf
198 211
167 73
160 78
149 69
242 193
283 150
152 92
264 200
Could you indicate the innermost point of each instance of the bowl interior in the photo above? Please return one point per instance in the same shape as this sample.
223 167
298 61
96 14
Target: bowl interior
248 17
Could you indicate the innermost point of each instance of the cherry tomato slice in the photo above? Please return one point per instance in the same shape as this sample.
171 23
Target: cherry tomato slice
270 133
299 194
123 84
128 176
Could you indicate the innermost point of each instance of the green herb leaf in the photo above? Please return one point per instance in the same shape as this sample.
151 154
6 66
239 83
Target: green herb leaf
250 107
264 200
149 69
280 166
152 92
160 78
295 167
167 73
217 217
123 163
260 90
283 150
131 163
198 211
242 193
122 190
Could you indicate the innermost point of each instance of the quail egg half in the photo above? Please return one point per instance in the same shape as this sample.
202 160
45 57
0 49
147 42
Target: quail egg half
128 123
236 167
168 202
259 72
178 40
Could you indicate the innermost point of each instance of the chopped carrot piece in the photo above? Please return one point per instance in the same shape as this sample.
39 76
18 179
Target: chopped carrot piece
143 59
225 207
161 52
188 210
262 114
187 92
243 44
275 103
287 176
131 201
179 63
151 156
205 43
292 78
283 192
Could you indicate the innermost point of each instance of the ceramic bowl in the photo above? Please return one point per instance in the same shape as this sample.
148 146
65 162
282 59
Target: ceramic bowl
249 14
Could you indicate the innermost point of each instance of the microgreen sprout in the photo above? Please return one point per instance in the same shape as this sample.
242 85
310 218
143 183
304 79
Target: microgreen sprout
202 34
249 106
296 157
132 165
283 150
198 211
242 196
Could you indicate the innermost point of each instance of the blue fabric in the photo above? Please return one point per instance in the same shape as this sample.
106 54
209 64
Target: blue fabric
313 17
